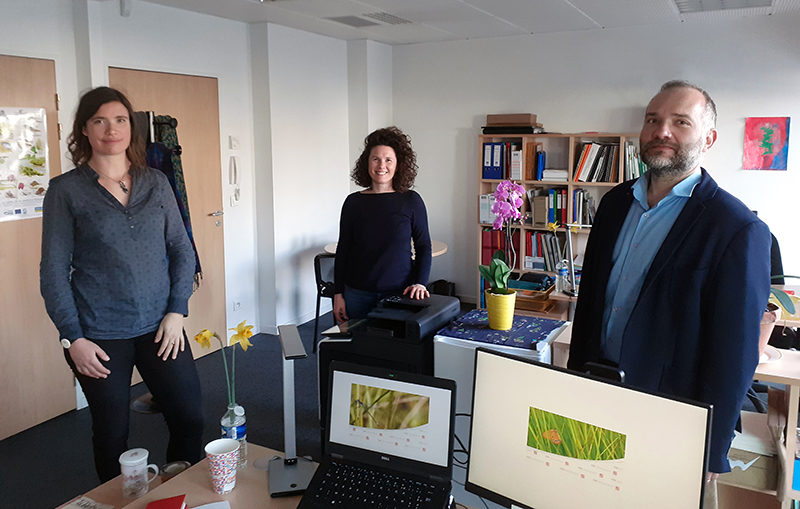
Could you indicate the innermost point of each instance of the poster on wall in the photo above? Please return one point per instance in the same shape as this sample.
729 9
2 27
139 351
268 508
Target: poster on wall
766 143
24 163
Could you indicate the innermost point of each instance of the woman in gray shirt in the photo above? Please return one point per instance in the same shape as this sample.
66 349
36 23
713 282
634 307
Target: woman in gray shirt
116 276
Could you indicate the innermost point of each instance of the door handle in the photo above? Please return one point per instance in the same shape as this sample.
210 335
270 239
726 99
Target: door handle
217 213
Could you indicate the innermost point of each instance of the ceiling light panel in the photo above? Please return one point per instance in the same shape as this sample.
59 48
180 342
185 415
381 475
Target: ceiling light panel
353 21
388 19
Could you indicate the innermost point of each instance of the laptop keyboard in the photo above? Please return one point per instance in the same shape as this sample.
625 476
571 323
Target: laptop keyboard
349 486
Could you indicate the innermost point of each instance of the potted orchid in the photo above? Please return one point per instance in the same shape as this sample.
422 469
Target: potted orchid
500 299
507 202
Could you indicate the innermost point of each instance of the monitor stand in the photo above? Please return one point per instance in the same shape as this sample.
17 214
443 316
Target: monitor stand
289 475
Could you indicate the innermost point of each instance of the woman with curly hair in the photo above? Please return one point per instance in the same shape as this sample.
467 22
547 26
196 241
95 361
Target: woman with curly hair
373 257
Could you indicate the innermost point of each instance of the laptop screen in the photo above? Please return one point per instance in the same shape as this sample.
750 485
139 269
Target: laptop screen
547 438
388 416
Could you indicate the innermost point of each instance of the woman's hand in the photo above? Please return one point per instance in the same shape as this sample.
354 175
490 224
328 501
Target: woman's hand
417 291
339 310
171 332
84 354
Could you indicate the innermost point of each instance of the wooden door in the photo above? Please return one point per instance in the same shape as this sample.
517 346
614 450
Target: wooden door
194 102
35 382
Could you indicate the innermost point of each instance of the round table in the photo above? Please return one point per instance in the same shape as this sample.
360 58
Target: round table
437 248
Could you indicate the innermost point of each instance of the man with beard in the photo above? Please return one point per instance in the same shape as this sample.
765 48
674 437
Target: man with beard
677 272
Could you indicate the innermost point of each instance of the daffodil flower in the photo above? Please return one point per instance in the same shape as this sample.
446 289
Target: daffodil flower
552 227
243 333
204 338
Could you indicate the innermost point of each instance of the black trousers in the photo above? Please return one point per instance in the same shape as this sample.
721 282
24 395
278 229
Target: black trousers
173 383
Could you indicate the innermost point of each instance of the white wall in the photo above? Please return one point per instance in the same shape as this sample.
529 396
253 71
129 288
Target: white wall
51 21
595 81
310 159
158 38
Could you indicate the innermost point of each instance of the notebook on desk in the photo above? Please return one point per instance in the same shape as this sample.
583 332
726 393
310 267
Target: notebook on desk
389 442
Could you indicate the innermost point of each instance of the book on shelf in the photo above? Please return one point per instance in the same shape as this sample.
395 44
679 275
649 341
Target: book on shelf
586 163
483 208
492 240
540 205
177 502
583 207
497 160
540 160
555 175
511 119
516 165
487 160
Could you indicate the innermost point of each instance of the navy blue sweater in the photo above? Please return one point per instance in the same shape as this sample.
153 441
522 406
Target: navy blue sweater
374 250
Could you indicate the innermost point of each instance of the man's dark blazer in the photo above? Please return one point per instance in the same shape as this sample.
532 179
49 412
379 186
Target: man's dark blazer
695 326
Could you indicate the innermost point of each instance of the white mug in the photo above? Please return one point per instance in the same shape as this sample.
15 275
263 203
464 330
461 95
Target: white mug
133 464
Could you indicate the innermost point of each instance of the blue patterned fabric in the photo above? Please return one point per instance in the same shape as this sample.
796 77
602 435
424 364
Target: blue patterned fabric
525 332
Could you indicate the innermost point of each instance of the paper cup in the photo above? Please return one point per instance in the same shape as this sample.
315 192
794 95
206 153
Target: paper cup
223 456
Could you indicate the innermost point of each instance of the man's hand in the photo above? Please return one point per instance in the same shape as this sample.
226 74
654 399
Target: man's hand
417 291
339 310
84 354
170 333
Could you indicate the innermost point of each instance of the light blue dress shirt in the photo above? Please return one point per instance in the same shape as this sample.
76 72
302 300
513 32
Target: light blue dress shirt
639 240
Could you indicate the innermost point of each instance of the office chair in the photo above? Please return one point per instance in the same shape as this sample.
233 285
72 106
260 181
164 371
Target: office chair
323 272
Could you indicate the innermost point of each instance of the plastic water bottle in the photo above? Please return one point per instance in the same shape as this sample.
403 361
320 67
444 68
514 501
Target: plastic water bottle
234 426
561 276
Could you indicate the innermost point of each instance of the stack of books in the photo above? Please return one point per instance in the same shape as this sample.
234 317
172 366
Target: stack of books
598 162
634 167
512 123
502 160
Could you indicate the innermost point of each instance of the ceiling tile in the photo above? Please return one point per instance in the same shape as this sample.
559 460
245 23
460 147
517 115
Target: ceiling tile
458 18
537 17
621 13
410 34
322 8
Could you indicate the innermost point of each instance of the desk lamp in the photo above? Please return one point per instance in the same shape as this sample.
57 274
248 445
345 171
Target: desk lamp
289 475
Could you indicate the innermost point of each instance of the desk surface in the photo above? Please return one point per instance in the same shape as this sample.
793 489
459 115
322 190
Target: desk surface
437 247
252 488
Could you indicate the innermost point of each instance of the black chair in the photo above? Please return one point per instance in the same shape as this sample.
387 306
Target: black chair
323 272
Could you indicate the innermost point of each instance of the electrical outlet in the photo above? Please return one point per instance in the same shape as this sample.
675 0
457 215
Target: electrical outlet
237 305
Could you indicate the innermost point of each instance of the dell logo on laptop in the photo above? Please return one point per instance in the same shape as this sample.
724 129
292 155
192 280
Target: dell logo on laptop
385 458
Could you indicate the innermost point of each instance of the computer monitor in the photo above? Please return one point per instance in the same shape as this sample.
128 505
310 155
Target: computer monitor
547 438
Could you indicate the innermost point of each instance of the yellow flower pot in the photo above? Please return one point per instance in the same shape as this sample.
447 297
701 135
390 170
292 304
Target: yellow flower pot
501 309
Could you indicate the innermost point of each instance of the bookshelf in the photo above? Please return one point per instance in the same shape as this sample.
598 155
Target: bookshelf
562 152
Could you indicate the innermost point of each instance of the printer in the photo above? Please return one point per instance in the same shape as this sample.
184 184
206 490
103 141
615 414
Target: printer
397 335
409 320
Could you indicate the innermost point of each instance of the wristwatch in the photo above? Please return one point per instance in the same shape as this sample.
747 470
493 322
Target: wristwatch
66 343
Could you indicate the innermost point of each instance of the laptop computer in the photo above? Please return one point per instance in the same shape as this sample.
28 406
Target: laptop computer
389 442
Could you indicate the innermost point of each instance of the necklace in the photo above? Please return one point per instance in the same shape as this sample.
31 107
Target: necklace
120 182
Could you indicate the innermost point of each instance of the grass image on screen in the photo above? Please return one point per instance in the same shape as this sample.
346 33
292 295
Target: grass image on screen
377 408
561 435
